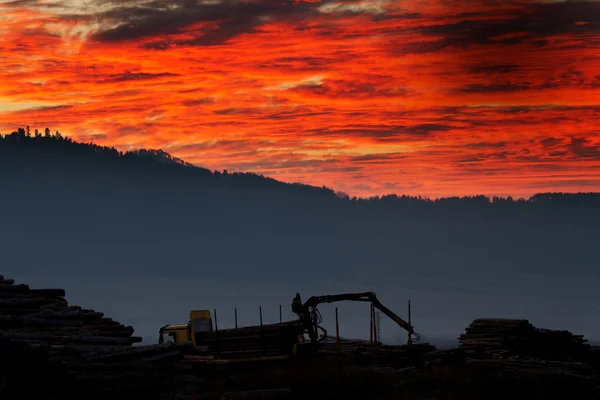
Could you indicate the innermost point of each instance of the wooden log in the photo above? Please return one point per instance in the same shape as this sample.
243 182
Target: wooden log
159 357
195 349
14 288
17 295
132 352
255 394
103 321
192 359
48 292
18 311
68 312
124 333
103 328
56 305
31 302
8 321
49 322
73 339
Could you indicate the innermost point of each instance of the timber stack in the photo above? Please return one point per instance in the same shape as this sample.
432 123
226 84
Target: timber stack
502 338
497 338
43 318
363 351
81 351
270 340
520 347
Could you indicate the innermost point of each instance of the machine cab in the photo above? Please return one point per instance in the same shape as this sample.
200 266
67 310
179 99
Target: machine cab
173 334
200 323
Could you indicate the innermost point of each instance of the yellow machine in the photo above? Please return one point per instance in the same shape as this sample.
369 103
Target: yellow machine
253 343
200 323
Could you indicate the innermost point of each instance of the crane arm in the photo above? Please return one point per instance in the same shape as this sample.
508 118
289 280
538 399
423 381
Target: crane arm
310 305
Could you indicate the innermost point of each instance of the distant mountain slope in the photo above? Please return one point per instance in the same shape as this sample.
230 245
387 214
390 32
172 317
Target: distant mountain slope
40 152
51 152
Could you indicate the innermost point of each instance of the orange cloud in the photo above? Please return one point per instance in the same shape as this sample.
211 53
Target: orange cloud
367 97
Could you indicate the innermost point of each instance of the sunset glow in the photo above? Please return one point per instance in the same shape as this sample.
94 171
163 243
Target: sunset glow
368 97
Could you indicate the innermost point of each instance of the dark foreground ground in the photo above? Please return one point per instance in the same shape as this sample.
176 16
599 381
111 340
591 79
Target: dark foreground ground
438 376
50 349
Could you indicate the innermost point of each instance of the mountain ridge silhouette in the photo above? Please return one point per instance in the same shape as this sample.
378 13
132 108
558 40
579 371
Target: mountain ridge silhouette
26 149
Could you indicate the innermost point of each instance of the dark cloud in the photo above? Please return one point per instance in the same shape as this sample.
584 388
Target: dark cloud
402 47
498 87
383 133
368 86
284 161
534 23
237 111
583 149
199 102
487 145
494 69
369 158
47 108
580 183
222 20
138 76
550 142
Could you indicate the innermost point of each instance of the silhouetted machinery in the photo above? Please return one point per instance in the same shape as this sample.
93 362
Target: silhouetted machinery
310 317
268 342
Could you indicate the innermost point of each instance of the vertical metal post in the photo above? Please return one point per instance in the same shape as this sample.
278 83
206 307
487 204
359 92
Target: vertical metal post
374 327
337 331
410 324
280 318
371 323
262 339
378 330
216 330
235 310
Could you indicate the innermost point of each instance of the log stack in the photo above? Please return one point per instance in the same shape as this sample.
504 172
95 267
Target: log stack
43 317
85 354
561 345
503 338
254 341
497 338
383 356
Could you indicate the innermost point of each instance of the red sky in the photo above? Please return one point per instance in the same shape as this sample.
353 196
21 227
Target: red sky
430 97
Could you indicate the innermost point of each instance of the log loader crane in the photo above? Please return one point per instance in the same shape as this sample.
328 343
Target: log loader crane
310 317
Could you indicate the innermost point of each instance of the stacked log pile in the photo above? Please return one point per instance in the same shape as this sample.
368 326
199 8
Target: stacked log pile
383 356
519 346
354 346
561 345
253 341
498 338
92 354
43 316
